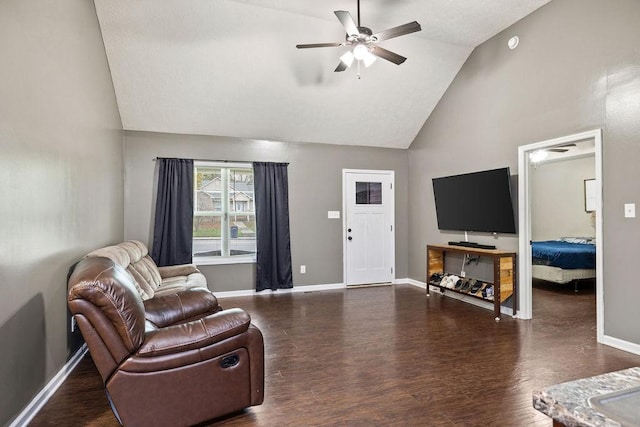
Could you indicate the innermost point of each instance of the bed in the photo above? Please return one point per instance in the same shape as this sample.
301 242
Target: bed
566 260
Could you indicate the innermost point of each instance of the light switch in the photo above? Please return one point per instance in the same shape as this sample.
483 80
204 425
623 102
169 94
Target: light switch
333 214
629 210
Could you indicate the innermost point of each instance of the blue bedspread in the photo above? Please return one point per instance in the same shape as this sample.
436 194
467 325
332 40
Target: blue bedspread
565 255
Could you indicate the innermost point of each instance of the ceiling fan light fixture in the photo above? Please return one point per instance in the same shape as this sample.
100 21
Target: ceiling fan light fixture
347 58
360 51
538 156
369 59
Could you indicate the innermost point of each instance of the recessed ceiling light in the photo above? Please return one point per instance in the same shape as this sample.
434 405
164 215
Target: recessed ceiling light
513 42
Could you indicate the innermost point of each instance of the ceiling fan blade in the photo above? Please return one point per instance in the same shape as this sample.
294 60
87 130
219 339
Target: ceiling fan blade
388 55
347 22
558 150
341 67
307 46
571 144
401 30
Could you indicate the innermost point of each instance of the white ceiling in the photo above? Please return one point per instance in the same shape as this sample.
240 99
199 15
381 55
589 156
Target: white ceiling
230 67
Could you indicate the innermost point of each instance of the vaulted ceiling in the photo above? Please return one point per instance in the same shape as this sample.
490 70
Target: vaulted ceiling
231 68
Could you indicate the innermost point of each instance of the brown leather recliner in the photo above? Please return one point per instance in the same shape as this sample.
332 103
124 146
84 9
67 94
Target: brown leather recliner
173 360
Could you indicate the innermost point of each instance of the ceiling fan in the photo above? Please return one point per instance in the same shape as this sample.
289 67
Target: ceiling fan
541 154
364 41
561 148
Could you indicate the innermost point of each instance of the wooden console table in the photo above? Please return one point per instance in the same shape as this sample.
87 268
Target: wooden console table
504 272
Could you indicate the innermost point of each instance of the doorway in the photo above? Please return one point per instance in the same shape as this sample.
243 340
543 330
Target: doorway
368 226
524 214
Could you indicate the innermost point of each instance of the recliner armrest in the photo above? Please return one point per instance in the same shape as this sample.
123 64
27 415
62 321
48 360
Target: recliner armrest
169 309
177 270
195 334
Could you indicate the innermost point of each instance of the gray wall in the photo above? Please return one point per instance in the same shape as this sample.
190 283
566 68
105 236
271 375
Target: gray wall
315 187
61 186
557 199
577 68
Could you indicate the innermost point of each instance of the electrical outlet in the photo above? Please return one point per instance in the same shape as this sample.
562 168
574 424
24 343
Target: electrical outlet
463 274
73 323
303 269
629 210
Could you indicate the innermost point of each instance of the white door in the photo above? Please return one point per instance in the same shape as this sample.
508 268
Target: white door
369 243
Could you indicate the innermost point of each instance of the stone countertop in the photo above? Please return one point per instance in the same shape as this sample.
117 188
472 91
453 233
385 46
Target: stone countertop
568 403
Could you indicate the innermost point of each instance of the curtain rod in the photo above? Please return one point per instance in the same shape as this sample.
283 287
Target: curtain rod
219 161
205 160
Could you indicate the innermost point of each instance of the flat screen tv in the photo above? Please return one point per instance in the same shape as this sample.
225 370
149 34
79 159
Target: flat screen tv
479 201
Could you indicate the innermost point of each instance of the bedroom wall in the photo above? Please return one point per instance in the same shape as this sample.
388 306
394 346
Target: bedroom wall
315 187
557 199
577 68
61 185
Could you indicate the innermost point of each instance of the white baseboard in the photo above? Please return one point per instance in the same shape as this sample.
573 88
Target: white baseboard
32 409
415 283
621 344
303 288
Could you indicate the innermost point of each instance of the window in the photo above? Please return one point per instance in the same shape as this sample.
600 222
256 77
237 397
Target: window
368 193
224 217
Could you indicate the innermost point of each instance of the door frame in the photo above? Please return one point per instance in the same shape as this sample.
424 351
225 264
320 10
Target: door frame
392 255
524 224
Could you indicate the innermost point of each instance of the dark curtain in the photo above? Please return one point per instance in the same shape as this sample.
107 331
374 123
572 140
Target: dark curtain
173 225
271 187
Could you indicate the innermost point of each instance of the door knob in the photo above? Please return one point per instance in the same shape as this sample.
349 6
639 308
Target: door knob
350 238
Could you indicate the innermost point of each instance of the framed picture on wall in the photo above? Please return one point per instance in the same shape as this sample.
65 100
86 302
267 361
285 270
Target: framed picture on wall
589 195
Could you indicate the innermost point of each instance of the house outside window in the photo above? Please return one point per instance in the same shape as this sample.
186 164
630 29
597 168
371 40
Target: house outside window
224 220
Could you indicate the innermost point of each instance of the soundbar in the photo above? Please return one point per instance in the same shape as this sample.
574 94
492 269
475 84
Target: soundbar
472 245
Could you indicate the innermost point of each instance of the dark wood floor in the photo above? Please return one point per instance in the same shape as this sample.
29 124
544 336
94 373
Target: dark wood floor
384 356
